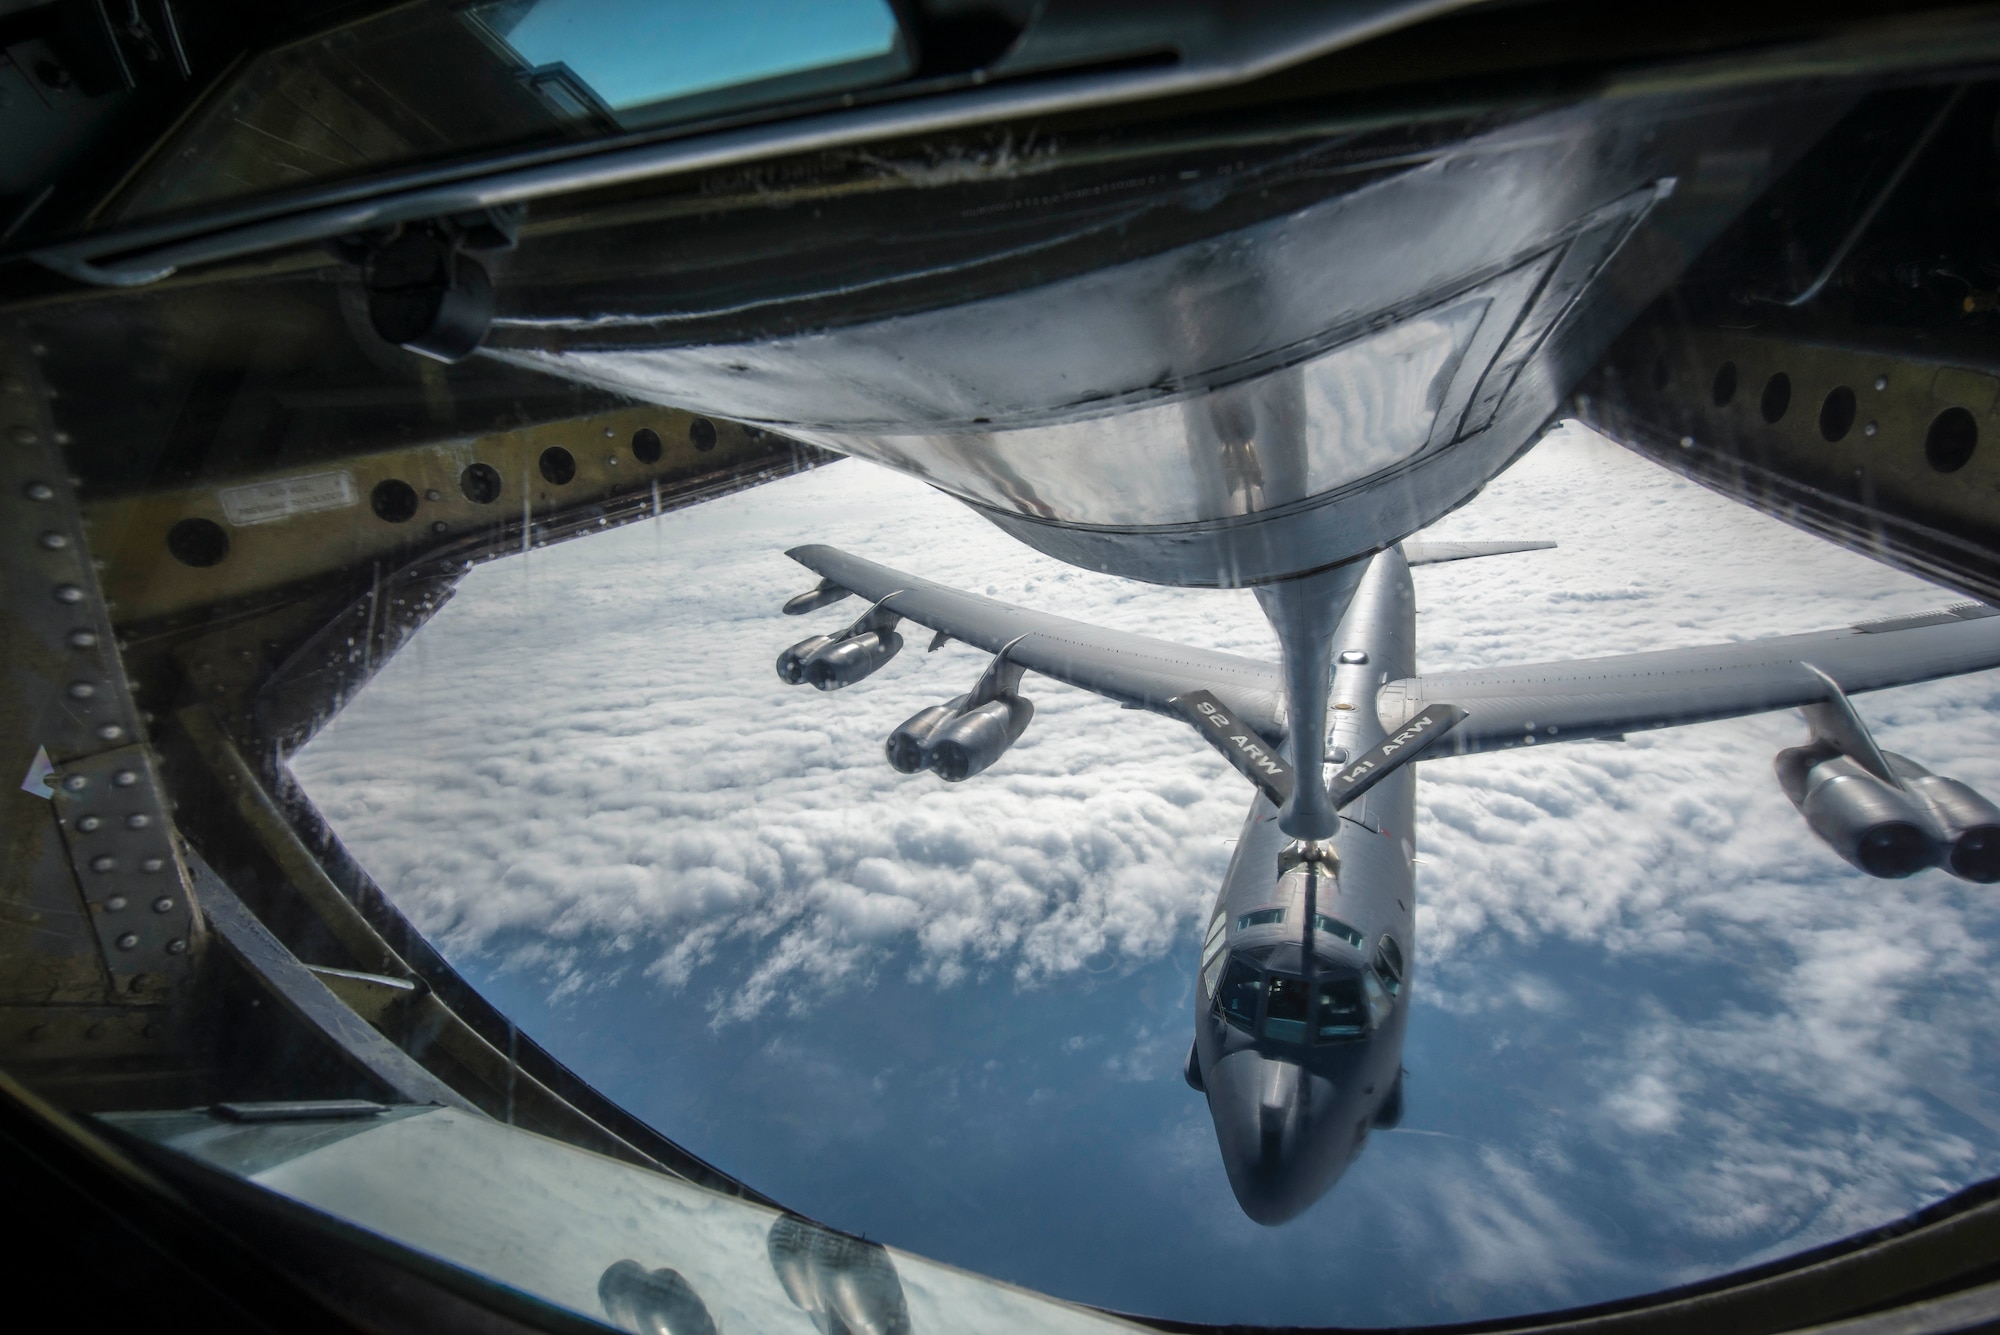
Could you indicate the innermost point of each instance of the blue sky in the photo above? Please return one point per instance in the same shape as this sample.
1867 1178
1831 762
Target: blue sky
1659 1031
632 52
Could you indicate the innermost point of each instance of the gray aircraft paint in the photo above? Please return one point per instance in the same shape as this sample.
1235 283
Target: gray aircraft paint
1289 1117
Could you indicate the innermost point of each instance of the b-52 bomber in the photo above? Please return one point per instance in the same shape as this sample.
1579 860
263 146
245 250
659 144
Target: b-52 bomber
1305 978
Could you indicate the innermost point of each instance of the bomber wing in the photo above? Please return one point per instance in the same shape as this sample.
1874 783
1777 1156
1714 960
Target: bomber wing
1134 670
1608 697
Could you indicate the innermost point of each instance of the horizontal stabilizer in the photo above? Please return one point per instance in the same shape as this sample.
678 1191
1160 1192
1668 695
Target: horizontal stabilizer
1238 742
1431 553
1390 754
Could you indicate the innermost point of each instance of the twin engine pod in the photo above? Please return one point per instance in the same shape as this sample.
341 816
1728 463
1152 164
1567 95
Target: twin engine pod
830 662
1888 831
955 742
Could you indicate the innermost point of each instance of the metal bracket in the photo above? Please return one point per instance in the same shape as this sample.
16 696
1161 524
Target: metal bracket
878 617
122 848
76 705
1002 678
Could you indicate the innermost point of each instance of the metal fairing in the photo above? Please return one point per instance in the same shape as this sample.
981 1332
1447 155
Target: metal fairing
1232 407
1283 1156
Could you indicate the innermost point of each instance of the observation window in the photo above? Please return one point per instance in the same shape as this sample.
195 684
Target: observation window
1260 918
640 61
1335 927
1285 1009
1212 970
1342 1012
1389 963
1242 989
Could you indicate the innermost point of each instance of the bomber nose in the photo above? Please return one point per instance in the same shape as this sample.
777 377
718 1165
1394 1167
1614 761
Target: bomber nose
1276 1123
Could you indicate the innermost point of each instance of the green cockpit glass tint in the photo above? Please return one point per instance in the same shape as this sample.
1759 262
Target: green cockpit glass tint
643 61
1261 918
1335 927
1342 1012
1242 988
1285 1010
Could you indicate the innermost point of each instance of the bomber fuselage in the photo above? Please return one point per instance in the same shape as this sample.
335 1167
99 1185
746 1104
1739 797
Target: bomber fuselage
1303 990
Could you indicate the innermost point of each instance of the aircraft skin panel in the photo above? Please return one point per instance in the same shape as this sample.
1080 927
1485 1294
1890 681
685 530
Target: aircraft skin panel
1597 697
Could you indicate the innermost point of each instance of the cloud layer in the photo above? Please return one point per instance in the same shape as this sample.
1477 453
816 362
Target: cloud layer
1661 1032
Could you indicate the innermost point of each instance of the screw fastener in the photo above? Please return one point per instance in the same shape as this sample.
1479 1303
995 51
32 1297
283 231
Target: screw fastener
128 941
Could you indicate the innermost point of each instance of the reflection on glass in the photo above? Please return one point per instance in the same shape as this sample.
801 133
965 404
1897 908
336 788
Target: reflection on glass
1242 989
1389 964
1342 1013
1253 446
1335 927
846 1285
653 1302
1285 1010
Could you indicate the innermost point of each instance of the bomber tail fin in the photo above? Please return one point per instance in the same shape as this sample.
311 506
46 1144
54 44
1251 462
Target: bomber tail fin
1419 553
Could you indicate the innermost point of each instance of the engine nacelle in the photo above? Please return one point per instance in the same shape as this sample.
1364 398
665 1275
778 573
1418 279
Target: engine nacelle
1969 823
792 662
844 662
1883 831
1890 832
975 739
908 746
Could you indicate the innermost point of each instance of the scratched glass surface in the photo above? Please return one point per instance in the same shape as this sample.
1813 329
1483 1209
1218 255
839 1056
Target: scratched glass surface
1657 1030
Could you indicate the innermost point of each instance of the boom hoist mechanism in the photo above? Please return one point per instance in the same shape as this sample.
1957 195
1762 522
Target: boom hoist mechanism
1884 812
